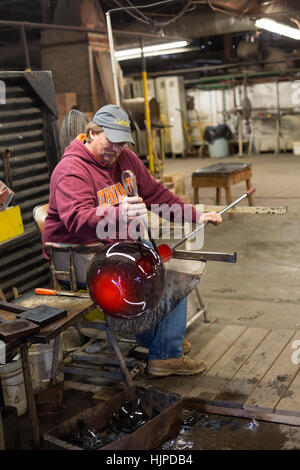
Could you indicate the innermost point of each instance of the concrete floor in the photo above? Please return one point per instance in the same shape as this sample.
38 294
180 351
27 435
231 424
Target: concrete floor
262 288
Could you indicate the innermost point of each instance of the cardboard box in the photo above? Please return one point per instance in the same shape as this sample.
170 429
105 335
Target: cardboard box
11 224
185 198
178 181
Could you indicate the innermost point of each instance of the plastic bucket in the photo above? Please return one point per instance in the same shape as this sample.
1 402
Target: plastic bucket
219 148
296 147
13 388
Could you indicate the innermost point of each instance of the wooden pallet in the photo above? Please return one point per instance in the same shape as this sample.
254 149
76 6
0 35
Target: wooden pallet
250 373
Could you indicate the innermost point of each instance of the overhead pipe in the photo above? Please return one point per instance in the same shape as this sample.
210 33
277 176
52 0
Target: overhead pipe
241 7
81 29
217 67
221 78
220 86
112 58
251 81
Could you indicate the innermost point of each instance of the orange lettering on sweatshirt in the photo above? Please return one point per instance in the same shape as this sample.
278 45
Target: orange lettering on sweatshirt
111 195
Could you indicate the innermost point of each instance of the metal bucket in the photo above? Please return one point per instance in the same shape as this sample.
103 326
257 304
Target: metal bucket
13 388
40 364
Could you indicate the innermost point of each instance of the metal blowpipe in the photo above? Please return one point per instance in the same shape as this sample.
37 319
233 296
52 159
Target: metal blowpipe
234 203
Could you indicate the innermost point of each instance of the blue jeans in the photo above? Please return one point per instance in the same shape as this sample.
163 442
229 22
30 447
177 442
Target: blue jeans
164 340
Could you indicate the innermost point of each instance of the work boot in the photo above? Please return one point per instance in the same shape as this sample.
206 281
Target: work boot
186 347
178 366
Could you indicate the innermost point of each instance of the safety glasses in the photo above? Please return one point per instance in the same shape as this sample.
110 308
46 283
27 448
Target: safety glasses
117 147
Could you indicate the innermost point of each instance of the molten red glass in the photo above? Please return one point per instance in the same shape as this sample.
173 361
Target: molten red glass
166 252
126 279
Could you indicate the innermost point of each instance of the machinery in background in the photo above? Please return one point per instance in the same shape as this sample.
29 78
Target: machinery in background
170 94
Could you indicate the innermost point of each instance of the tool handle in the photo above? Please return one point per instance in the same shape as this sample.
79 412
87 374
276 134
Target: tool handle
250 191
134 192
41 291
234 203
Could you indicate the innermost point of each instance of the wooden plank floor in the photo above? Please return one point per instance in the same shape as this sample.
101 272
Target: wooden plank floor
250 373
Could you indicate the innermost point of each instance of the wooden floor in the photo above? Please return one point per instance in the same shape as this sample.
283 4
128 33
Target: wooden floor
250 373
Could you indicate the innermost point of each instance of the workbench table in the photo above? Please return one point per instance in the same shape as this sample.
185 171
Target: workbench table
75 307
222 175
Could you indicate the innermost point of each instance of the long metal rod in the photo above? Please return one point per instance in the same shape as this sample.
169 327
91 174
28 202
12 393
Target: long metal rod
193 233
112 58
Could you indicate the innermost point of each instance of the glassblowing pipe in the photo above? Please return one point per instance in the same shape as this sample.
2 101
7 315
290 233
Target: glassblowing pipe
166 251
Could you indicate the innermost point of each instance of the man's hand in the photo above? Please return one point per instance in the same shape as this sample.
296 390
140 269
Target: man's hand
212 217
132 208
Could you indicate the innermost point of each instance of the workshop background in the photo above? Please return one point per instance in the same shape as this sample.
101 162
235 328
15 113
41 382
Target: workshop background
210 82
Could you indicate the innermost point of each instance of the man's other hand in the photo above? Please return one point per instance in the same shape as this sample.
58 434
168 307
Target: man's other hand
212 217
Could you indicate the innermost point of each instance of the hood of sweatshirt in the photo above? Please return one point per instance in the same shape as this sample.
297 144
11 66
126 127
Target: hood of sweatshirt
78 149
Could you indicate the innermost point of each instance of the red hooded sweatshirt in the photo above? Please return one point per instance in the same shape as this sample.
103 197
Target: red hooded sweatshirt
81 189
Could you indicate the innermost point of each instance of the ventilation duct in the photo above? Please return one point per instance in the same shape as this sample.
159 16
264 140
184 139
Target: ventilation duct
244 7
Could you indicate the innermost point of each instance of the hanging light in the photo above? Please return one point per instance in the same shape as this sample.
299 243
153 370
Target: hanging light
279 28
156 49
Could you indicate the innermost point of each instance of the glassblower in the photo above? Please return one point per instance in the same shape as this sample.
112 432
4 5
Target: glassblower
127 279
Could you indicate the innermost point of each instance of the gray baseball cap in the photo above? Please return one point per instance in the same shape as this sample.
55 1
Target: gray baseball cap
115 122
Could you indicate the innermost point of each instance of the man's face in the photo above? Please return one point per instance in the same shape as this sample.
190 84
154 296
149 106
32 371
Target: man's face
107 152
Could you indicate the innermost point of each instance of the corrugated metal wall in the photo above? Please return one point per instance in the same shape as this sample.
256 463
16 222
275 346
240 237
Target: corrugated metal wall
26 128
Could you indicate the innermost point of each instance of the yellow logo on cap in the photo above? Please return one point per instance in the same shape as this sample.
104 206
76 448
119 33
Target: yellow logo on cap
121 123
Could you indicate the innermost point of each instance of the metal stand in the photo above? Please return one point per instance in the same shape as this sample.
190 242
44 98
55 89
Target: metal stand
55 360
30 394
199 313
101 364
2 443
113 342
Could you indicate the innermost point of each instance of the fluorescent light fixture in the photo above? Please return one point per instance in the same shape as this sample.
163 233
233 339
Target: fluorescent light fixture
157 49
278 28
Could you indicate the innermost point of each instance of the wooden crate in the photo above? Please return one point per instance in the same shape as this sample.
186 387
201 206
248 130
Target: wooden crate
149 436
